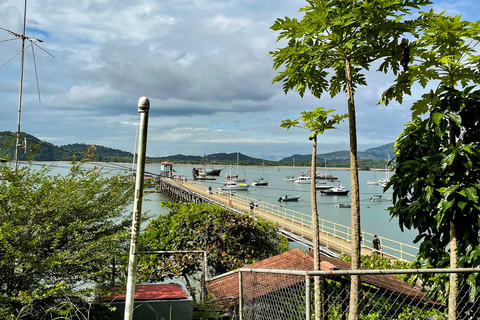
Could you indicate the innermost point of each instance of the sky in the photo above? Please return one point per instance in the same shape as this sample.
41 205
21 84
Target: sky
204 65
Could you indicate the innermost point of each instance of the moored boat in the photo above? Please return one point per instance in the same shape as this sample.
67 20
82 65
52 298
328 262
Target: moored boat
200 174
303 180
288 197
232 185
335 191
379 198
259 182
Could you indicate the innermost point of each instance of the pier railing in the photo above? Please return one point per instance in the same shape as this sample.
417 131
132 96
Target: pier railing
334 234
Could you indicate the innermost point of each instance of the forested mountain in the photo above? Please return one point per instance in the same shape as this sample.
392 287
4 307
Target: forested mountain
37 150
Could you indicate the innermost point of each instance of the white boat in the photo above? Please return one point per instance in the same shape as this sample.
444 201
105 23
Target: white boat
259 182
320 186
303 180
291 178
379 198
232 185
343 205
335 191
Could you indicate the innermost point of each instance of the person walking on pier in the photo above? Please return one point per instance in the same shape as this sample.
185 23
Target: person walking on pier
376 245
252 205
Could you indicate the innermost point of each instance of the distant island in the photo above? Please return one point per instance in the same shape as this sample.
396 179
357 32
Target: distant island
38 150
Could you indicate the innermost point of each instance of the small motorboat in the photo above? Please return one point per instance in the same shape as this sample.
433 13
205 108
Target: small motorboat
343 205
288 197
379 198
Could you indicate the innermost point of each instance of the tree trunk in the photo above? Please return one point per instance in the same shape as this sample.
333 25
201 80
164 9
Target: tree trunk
355 195
453 293
453 278
316 234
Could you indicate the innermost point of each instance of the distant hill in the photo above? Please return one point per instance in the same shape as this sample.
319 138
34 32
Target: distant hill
378 153
38 150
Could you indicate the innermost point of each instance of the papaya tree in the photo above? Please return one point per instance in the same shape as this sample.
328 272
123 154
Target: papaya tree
326 52
316 122
443 54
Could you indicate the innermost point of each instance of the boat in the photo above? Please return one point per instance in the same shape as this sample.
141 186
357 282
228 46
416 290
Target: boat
291 178
259 182
343 205
200 174
288 197
213 172
303 180
372 181
379 198
335 191
234 186
234 178
320 186
382 182
326 176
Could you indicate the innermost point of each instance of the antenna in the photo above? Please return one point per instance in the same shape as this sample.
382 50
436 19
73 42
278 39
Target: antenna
33 43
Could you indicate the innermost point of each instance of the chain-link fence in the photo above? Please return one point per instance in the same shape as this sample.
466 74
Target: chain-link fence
421 294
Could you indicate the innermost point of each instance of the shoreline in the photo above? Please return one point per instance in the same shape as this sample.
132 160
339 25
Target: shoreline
224 166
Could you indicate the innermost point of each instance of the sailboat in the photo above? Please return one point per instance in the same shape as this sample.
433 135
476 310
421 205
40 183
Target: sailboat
235 178
261 181
382 182
233 185
373 181
291 178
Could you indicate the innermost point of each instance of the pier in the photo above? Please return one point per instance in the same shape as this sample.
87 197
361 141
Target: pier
294 225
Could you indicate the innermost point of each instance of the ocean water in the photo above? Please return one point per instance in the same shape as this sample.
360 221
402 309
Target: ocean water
375 219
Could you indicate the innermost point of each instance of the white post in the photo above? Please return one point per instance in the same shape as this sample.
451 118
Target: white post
143 108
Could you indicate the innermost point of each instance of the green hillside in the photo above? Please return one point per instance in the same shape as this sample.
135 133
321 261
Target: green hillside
38 150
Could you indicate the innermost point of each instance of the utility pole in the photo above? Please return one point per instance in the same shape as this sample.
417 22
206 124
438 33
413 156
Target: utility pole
143 109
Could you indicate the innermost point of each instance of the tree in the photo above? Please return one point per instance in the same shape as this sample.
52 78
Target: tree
326 52
317 122
436 184
58 236
444 52
230 239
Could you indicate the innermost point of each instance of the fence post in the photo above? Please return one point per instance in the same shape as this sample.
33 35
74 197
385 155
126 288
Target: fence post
308 305
240 296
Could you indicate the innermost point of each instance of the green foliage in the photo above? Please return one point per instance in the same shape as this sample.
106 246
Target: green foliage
444 51
231 241
315 121
437 182
334 32
58 236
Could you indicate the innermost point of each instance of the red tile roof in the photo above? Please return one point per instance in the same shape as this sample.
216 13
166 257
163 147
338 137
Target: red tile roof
227 286
164 291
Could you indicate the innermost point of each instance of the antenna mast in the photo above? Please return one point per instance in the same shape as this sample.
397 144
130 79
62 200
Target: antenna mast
17 142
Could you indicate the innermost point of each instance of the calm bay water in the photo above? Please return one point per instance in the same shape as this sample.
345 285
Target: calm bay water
374 217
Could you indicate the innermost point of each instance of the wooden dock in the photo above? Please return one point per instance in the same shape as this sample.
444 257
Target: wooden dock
295 225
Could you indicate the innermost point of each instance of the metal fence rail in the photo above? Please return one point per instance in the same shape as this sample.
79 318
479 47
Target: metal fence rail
287 294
